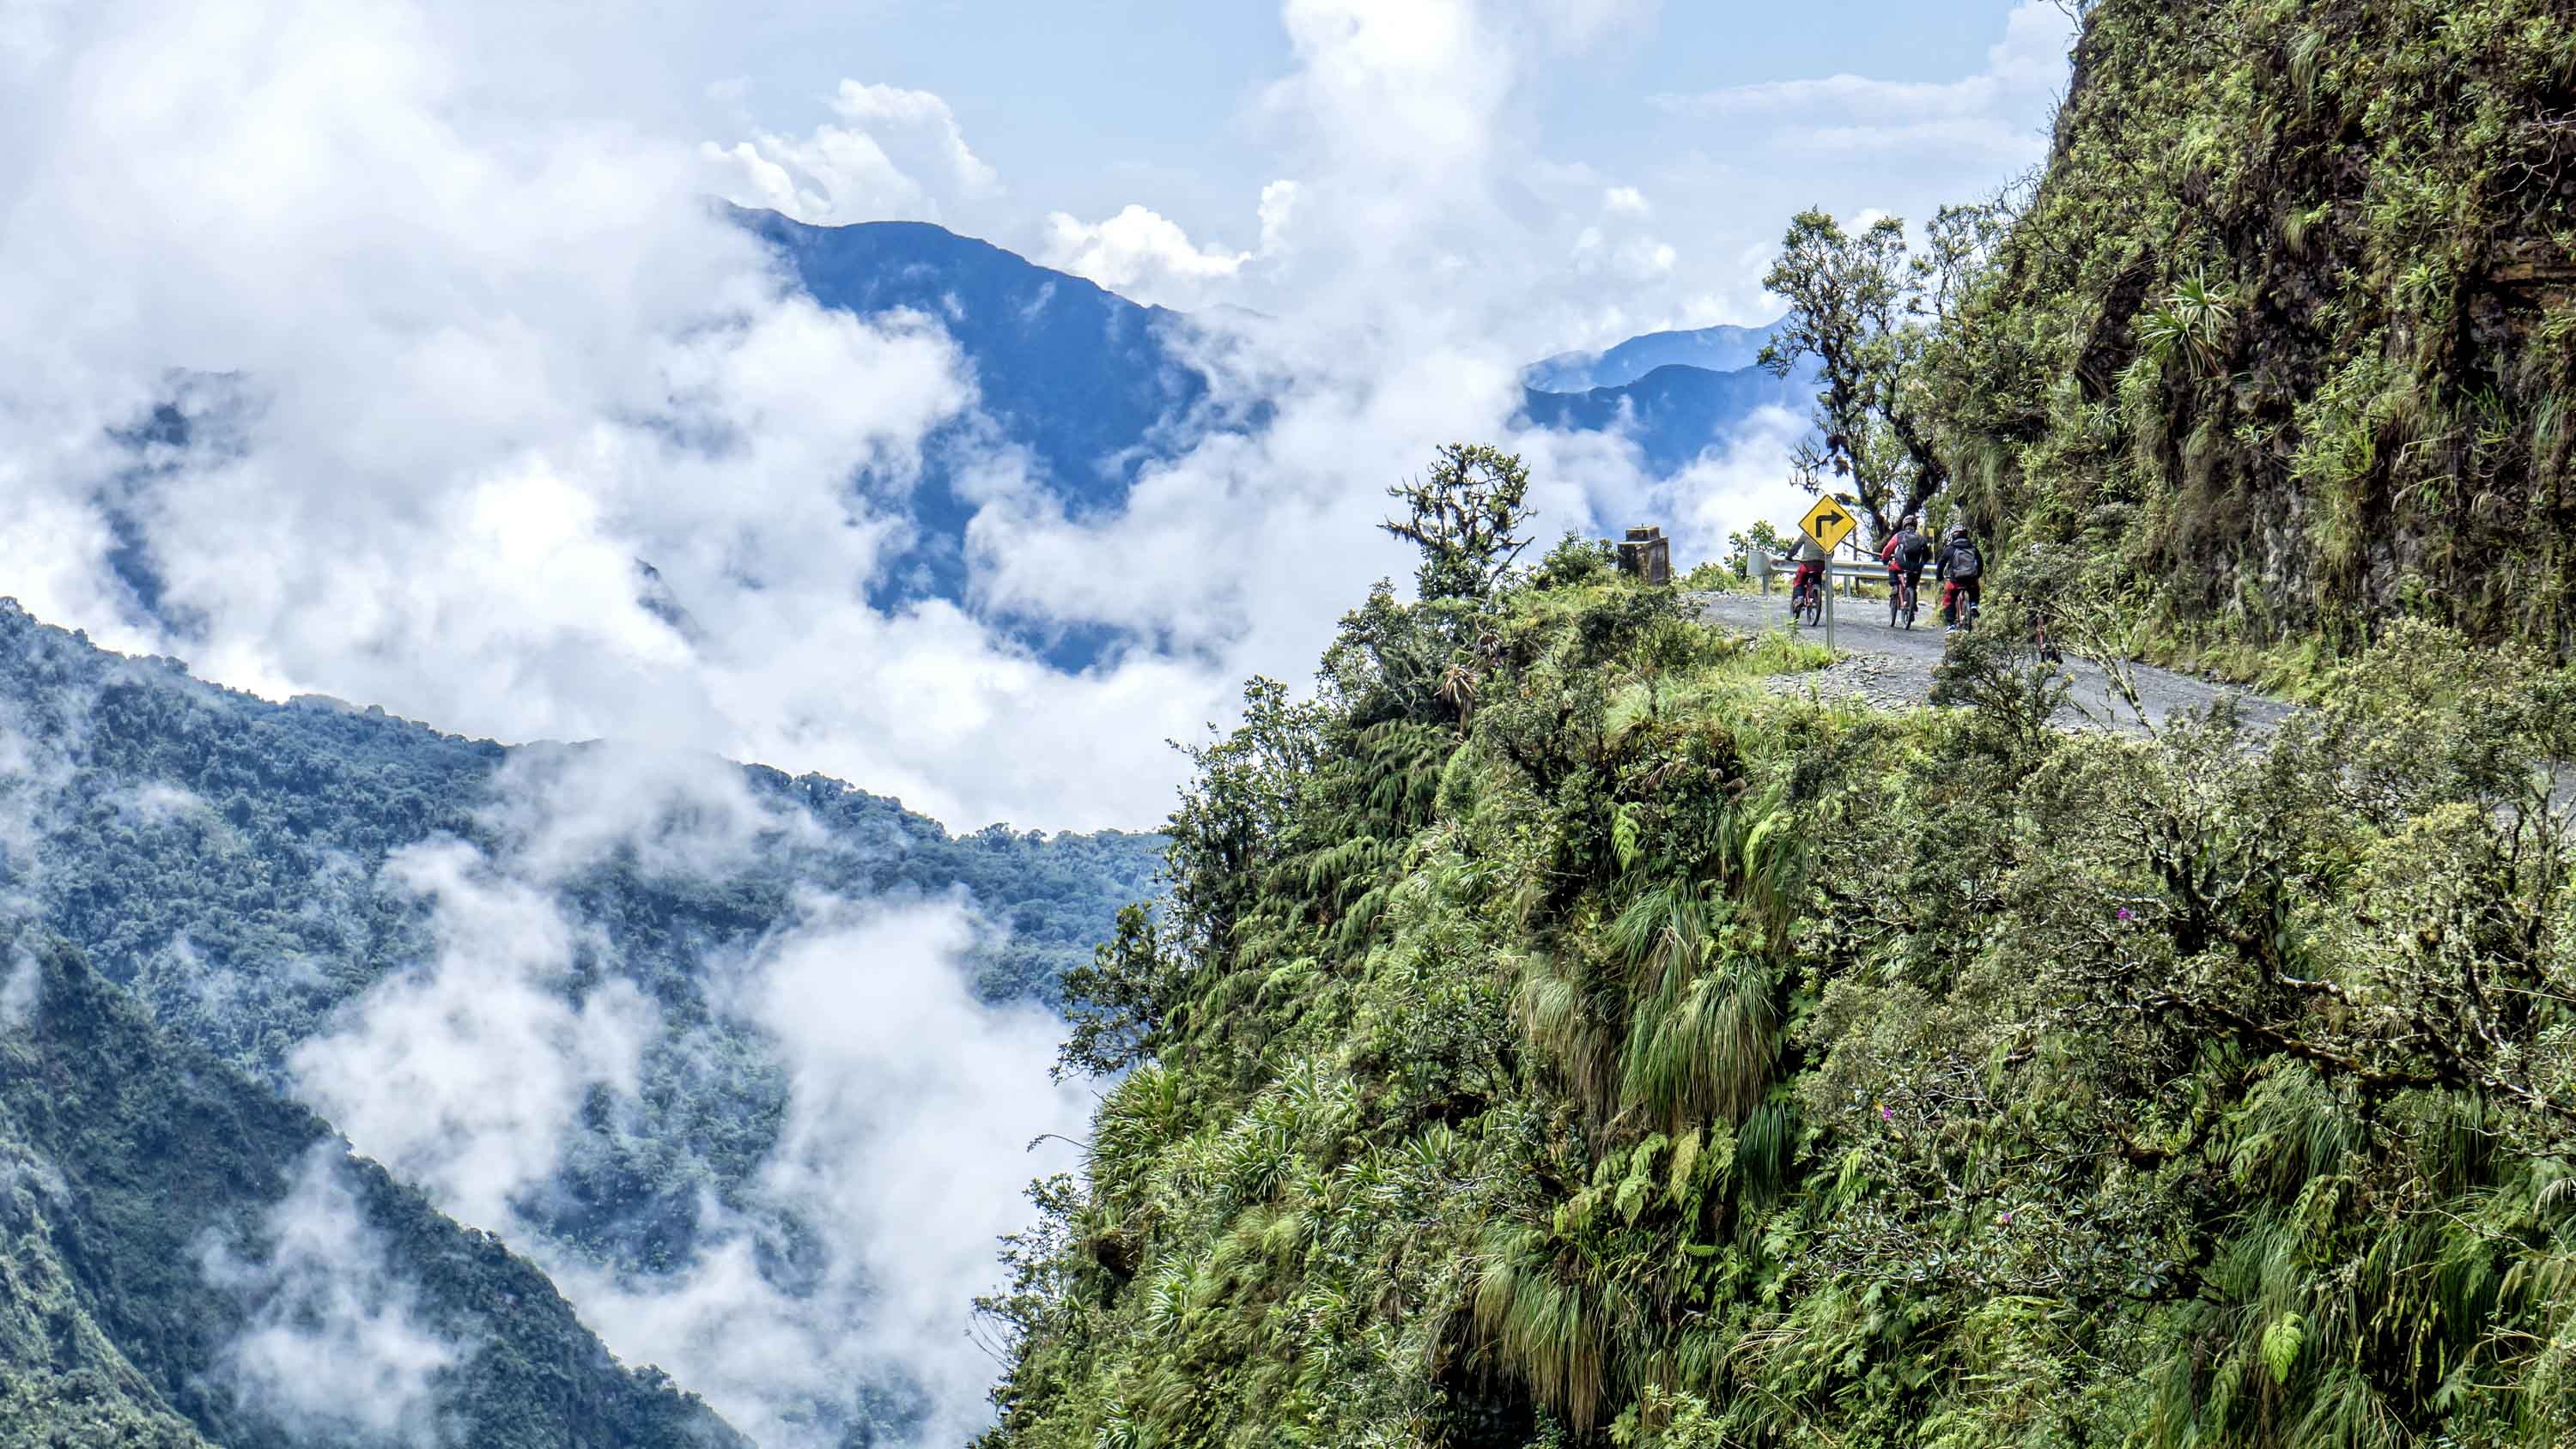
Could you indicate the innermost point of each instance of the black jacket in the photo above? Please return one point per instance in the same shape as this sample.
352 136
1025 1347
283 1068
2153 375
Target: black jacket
1952 553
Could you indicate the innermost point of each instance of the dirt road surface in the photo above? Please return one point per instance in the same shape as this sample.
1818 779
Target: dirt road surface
1893 667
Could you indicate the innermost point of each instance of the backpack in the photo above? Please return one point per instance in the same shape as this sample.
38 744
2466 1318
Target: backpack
1913 548
1964 563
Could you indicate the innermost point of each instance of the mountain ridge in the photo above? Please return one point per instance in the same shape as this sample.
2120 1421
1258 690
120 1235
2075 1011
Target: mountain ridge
305 889
1723 348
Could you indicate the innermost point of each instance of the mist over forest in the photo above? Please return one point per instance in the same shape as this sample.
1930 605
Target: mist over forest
1009 727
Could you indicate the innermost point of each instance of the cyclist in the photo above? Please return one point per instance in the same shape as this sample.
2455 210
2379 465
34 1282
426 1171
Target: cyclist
1811 558
1905 553
1961 570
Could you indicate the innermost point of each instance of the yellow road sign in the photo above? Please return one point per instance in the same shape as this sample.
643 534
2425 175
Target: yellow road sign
1828 523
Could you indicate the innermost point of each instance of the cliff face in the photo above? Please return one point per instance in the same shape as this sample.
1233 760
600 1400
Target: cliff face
2285 337
1640 1055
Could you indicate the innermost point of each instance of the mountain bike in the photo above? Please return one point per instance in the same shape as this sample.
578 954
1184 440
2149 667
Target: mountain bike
1807 604
1900 599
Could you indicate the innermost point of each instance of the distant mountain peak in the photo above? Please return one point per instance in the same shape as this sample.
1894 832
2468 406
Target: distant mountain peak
1723 348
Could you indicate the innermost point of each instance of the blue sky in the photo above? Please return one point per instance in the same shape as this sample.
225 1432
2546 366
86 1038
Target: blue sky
1160 88
1086 110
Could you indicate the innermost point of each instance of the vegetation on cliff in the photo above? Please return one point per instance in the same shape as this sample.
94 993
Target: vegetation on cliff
2283 342
1556 1036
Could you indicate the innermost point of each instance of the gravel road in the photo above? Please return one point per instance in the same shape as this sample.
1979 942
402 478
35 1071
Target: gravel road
1892 668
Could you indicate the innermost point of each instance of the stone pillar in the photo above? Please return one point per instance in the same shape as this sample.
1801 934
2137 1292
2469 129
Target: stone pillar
1647 556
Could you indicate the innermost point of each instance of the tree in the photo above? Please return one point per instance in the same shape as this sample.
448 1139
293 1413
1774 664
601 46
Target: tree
1464 516
1857 306
1742 545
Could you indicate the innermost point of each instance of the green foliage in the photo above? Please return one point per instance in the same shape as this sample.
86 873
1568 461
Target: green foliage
1576 562
1464 515
2280 341
2195 324
1716 1067
1857 308
1741 546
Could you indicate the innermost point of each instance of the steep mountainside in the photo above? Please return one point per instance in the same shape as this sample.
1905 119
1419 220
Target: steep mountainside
2286 340
1091 384
335 903
1557 1037
189 1261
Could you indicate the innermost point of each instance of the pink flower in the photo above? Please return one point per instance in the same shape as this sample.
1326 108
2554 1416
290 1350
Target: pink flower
1886 1114
2125 914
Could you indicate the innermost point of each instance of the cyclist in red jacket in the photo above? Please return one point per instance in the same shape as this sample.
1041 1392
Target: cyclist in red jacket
1811 560
1905 553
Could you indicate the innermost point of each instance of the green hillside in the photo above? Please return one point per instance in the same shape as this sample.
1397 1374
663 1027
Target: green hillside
2284 342
1558 1037
155 1290
1560 1034
225 860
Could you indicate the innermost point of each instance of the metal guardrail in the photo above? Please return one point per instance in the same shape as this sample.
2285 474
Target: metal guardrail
1846 572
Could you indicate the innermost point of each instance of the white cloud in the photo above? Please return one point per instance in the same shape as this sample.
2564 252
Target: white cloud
911 1110
1732 486
908 1108
21 988
333 1349
900 155
1986 114
1141 255
158 803
38 741
440 426
676 815
467 1072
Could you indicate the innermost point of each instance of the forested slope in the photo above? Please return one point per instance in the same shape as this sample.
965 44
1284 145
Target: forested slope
1558 1037
2284 343
189 1260
535 969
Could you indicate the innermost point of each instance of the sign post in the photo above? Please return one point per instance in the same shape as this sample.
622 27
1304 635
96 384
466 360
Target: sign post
1828 523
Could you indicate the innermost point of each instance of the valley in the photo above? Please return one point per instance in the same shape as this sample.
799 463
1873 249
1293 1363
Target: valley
1493 996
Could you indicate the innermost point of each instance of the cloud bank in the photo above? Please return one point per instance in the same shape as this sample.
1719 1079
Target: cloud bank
447 355
333 1350
909 1104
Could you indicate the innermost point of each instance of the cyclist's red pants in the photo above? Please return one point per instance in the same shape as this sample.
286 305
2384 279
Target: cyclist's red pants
1807 573
1952 590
